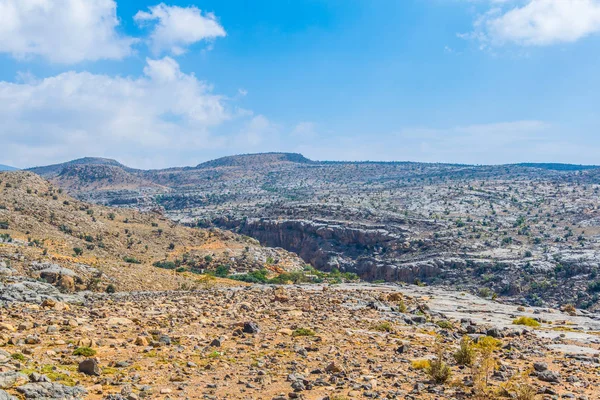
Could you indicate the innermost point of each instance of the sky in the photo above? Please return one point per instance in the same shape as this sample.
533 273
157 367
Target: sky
155 84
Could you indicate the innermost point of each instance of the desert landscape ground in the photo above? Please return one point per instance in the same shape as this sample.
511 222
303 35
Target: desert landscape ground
271 276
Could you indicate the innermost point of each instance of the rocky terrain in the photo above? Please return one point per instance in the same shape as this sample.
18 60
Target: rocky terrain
525 232
104 303
45 234
310 342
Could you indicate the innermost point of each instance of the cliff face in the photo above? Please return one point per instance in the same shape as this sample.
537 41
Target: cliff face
366 250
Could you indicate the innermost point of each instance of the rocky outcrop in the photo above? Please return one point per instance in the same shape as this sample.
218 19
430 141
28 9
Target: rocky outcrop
34 292
367 250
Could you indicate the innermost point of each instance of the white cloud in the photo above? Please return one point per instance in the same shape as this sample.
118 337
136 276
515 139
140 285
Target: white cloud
176 28
538 23
161 116
258 132
62 31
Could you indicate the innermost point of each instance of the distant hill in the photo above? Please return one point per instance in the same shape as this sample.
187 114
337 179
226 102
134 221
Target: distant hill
255 159
56 169
107 181
7 168
92 173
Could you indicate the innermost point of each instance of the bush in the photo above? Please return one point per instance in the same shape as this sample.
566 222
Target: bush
4 224
420 364
131 260
252 277
383 327
594 287
444 324
438 370
527 321
294 277
165 264
524 392
17 356
303 332
111 288
466 352
222 271
487 344
78 251
84 351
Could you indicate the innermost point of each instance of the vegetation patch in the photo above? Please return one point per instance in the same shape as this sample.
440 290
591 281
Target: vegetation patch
527 321
84 351
303 332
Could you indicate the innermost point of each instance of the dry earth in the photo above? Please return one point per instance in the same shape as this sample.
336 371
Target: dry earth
247 343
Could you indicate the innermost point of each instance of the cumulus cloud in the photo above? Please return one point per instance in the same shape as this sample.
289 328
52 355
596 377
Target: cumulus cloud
158 115
537 22
62 31
175 28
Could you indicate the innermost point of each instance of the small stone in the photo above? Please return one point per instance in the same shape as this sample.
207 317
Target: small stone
251 327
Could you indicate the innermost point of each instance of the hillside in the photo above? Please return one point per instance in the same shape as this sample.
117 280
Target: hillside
499 230
41 224
6 168
55 169
261 159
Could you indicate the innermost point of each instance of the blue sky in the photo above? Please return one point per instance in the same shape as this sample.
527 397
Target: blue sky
177 83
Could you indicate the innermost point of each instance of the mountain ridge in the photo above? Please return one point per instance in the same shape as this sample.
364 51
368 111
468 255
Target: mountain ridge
282 157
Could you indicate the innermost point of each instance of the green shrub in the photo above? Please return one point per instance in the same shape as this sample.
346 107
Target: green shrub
222 271
84 351
444 324
438 370
17 356
131 260
303 332
110 288
594 287
252 277
466 352
165 264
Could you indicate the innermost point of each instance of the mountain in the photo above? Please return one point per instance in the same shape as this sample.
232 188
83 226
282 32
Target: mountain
7 168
